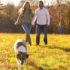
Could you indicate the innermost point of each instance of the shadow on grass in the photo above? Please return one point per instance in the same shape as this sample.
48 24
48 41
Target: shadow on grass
33 64
55 47
40 68
43 46
61 48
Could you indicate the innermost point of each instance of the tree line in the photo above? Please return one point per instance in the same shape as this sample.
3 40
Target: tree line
60 18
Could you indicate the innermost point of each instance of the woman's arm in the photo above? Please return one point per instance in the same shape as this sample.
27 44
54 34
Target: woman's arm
18 21
34 19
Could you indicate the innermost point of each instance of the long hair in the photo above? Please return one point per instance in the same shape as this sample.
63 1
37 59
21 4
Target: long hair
24 7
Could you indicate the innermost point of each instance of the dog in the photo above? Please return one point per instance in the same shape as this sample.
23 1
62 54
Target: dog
20 49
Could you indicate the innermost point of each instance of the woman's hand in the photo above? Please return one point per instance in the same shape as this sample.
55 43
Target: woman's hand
16 23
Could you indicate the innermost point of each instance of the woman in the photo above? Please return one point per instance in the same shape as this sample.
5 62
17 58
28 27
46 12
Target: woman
25 19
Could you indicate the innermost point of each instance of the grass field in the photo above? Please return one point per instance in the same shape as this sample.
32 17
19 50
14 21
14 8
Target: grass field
53 56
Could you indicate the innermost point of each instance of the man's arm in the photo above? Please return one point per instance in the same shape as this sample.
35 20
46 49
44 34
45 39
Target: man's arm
35 17
48 18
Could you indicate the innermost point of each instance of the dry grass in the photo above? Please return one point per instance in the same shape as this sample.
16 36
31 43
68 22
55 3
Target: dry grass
53 56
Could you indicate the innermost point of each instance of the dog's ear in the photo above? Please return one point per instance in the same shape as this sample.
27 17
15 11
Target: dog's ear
27 55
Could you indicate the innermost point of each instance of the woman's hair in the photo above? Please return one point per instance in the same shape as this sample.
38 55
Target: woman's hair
24 7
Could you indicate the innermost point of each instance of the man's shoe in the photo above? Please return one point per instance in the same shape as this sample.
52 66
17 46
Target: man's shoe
45 43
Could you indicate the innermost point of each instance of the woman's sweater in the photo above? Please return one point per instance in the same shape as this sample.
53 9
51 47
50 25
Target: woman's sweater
25 17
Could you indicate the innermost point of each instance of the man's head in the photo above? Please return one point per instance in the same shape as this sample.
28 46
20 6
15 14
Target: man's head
41 4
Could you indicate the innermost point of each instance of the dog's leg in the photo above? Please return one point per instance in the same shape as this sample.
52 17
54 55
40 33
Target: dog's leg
19 64
19 67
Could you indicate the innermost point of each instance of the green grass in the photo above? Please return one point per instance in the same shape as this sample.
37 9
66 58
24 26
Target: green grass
53 56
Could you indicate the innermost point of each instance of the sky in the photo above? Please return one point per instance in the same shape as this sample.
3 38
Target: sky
16 2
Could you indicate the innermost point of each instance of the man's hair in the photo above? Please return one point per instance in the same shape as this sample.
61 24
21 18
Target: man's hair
41 2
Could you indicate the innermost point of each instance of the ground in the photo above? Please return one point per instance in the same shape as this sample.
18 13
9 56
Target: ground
53 56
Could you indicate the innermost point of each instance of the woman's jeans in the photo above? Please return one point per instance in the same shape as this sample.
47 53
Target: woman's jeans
27 27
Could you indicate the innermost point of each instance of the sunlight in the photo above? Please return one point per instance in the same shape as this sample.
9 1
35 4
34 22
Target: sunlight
15 2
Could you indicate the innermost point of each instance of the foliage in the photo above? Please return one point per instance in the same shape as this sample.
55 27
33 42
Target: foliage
59 14
60 18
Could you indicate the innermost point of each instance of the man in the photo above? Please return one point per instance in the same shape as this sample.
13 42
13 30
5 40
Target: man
42 19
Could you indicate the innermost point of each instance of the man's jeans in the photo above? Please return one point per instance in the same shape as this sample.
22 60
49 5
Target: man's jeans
41 29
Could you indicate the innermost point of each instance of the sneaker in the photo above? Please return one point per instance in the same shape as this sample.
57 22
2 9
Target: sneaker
45 43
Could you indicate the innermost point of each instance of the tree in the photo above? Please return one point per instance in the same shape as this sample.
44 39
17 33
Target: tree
68 3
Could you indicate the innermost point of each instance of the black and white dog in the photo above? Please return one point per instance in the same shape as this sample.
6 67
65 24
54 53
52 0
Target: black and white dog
20 49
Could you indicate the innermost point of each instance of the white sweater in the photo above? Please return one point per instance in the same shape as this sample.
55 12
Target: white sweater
42 16
20 49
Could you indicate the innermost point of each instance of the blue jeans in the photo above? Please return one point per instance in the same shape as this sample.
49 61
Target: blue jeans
26 27
41 29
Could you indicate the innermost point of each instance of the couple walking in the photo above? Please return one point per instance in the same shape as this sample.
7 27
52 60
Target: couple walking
27 18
